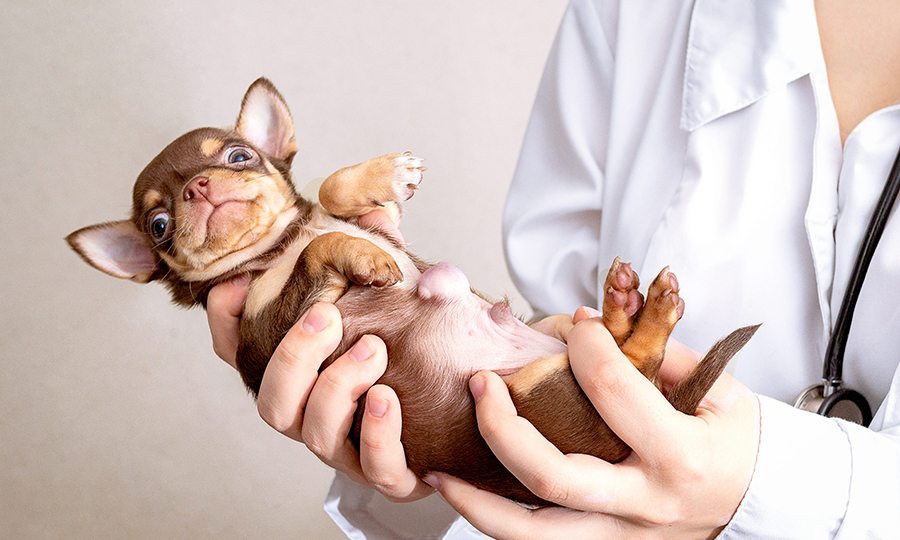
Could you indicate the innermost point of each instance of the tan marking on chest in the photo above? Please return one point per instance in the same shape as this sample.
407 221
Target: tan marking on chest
269 285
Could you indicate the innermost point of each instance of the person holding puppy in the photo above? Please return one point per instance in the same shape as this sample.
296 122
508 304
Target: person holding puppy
745 144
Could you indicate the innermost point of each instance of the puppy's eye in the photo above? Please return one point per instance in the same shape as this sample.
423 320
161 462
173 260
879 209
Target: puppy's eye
239 155
159 224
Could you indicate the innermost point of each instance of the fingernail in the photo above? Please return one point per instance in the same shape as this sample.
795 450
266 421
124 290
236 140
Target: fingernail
314 320
432 480
362 350
377 407
476 386
592 312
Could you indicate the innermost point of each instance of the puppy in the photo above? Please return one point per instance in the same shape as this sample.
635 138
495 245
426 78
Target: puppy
218 203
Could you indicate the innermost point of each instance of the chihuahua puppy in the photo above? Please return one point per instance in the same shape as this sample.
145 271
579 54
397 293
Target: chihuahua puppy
217 203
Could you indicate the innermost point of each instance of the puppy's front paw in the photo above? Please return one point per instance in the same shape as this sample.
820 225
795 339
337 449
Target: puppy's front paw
408 175
364 263
374 268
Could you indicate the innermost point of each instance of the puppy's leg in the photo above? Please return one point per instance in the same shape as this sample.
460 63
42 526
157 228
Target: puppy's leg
621 300
339 259
380 183
646 346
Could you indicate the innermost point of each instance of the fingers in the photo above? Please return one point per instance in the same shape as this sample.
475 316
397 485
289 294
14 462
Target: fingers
575 480
556 326
332 403
223 312
585 312
629 403
491 514
293 368
382 456
380 220
501 518
318 409
381 460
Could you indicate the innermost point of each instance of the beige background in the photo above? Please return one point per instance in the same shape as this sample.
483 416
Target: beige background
116 419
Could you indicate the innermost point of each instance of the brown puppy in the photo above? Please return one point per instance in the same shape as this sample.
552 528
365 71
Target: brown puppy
217 203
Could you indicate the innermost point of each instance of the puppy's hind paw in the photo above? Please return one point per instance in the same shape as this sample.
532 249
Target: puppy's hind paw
408 174
621 300
663 299
646 346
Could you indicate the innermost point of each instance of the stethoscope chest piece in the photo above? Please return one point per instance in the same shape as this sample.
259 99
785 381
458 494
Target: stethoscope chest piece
840 403
830 398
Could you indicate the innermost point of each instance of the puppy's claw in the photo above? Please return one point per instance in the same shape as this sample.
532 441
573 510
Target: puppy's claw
663 297
407 176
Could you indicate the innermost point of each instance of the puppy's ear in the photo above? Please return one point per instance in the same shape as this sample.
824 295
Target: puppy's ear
117 248
266 121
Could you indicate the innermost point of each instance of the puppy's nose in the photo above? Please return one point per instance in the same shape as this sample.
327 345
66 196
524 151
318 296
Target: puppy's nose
196 188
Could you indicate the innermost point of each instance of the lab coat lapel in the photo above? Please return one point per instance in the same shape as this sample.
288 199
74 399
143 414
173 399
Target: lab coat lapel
739 51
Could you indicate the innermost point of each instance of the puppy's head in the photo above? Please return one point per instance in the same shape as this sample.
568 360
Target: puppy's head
210 201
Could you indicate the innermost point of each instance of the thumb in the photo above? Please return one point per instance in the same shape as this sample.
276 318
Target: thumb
379 219
224 306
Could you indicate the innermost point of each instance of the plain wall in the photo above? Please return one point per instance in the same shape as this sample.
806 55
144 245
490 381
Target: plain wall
116 418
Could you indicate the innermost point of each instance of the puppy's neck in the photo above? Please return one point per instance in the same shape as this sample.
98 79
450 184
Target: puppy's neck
263 256
236 259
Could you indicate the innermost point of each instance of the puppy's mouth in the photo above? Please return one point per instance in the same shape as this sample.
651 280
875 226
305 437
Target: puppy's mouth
223 213
214 220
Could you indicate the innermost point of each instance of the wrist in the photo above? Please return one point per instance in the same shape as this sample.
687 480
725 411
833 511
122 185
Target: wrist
802 458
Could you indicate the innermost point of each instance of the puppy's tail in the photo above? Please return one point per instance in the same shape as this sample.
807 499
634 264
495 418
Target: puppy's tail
686 395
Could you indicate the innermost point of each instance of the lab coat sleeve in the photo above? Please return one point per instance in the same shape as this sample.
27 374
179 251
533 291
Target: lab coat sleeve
819 478
364 514
557 190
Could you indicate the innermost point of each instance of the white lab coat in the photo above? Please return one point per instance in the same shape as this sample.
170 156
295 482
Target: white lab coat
702 136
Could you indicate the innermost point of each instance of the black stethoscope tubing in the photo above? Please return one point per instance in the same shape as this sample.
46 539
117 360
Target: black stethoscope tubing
837 343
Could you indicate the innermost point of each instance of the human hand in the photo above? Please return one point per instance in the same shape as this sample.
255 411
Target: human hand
685 477
555 326
317 409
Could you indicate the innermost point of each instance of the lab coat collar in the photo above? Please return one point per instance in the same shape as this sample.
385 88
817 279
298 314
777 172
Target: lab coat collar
739 51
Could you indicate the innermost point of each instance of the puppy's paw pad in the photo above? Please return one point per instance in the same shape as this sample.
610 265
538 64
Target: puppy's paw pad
408 174
622 301
663 297
622 277
621 288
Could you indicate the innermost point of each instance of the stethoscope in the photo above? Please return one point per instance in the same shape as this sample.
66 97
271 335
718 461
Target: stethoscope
830 398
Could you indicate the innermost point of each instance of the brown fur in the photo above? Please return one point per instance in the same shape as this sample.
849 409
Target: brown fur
363 273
